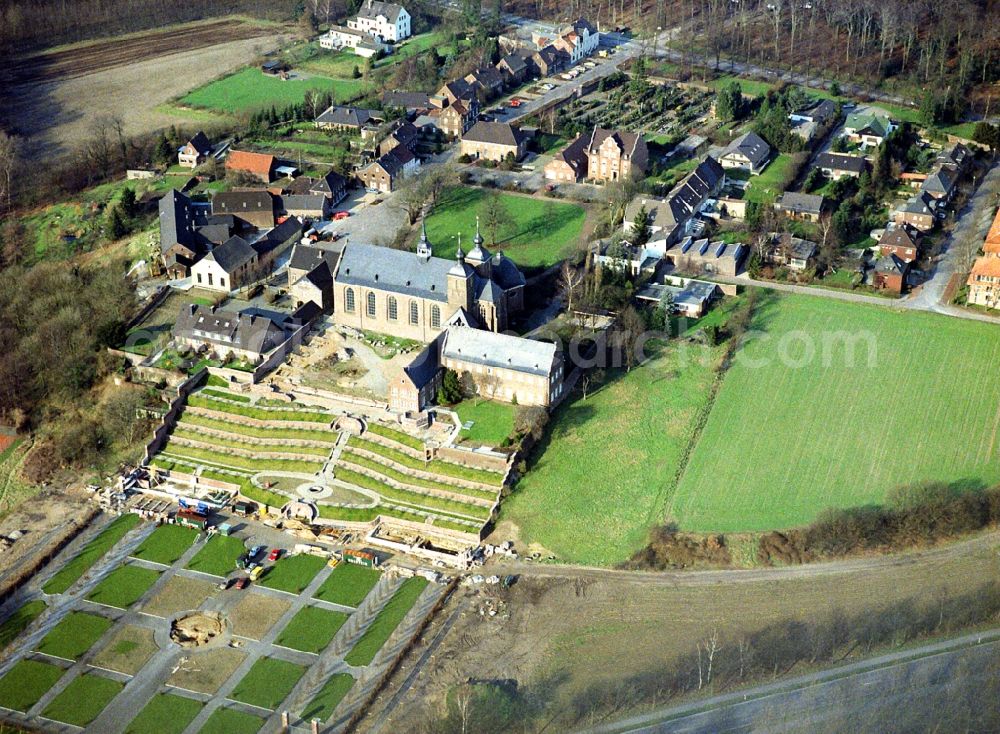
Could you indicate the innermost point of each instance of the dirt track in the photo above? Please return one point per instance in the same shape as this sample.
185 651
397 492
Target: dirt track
88 58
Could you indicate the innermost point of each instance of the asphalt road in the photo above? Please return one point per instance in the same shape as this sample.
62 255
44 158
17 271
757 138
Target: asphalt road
870 690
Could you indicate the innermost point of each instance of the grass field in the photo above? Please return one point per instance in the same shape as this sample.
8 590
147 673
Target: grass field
165 714
765 188
311 630
267 683
72 571
26 683
128 650
293 573
219 555
332 693
19 621
124 586
784 442
166 544
540 232
605 471
349 584
385 623
492 421
74 635
83 699
231 721
249 90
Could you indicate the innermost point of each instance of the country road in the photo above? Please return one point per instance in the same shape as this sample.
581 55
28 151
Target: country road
819 701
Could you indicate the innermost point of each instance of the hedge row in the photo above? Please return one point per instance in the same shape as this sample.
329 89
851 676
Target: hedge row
436 466
438 504
233 443
242 429
392 473
277 414
398 436
243 462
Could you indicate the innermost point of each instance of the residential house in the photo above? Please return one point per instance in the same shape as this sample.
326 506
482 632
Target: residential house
941 183
415 386
487 82
254 208
455 119
179 244
703 256
615 155
413 295
259 166
957 155
569 165
331 185
387 21
237 262
837 165
194 152
579 39
454 91
991 245
890 274
514 68
409 101
901 241
664 217
385 172
749 152
547 61
406 135
494 141
244 334
310 274
632 259
363 44
868 129
349 119
688 297
819 111
984 282
808 207
505 367
793 252
304 206
918 211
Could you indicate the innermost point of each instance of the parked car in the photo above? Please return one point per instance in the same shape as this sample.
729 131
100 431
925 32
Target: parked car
275 554
242 582
225 584
515 102
341 215
257 573
254 552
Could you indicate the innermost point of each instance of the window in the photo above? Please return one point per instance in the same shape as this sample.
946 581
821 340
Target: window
414 313
222 282
435 317
349 300
393 313
199 277
371 304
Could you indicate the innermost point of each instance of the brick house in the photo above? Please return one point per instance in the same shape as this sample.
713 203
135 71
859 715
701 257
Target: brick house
455 119
919 212
614 155
569 165
902 241
494 141
384 173
514 68
890 274
255 208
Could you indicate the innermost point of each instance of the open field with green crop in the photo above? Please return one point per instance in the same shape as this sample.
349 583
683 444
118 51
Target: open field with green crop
166 544
349 584
539 232
74 635
83 699
385 623
16 623
24 684
914 403
267 683
250 90
311 630
81 563
219 555
332 693
124 586
293 574
606 469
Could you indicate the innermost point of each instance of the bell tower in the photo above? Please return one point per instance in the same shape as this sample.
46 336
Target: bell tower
460 282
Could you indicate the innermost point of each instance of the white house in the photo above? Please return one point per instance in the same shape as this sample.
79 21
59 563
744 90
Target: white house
579 39
364 44
387 21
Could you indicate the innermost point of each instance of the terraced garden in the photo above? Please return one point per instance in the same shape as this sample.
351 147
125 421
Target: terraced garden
268 448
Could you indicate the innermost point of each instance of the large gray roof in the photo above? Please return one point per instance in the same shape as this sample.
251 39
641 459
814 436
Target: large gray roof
496 133
396 271
751 145
232 253
374 8
176 221
241 330
348 116
499 350
794 201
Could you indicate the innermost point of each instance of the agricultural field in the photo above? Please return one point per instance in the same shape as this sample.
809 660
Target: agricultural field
293 574
540 231
311 630
250 90
268 683
787 440
385 623
348 585
92 552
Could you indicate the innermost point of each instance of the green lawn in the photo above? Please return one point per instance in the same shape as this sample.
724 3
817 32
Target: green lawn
250 90
26 683
385 623
74 635
311 630
349 584
540 231
267 683
231 721
124 586
786 440
492 421
605 472
16 623
219 555
293 573
83 699
332 693
165 714
166 544
72 571
766 187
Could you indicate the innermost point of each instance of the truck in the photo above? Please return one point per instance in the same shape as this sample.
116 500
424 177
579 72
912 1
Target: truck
361 558
244 507
192 519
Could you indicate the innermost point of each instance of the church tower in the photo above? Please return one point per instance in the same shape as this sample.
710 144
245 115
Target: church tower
460 287
479 257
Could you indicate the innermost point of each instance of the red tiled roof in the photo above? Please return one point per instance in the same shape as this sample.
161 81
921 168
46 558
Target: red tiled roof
258 163
992 244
